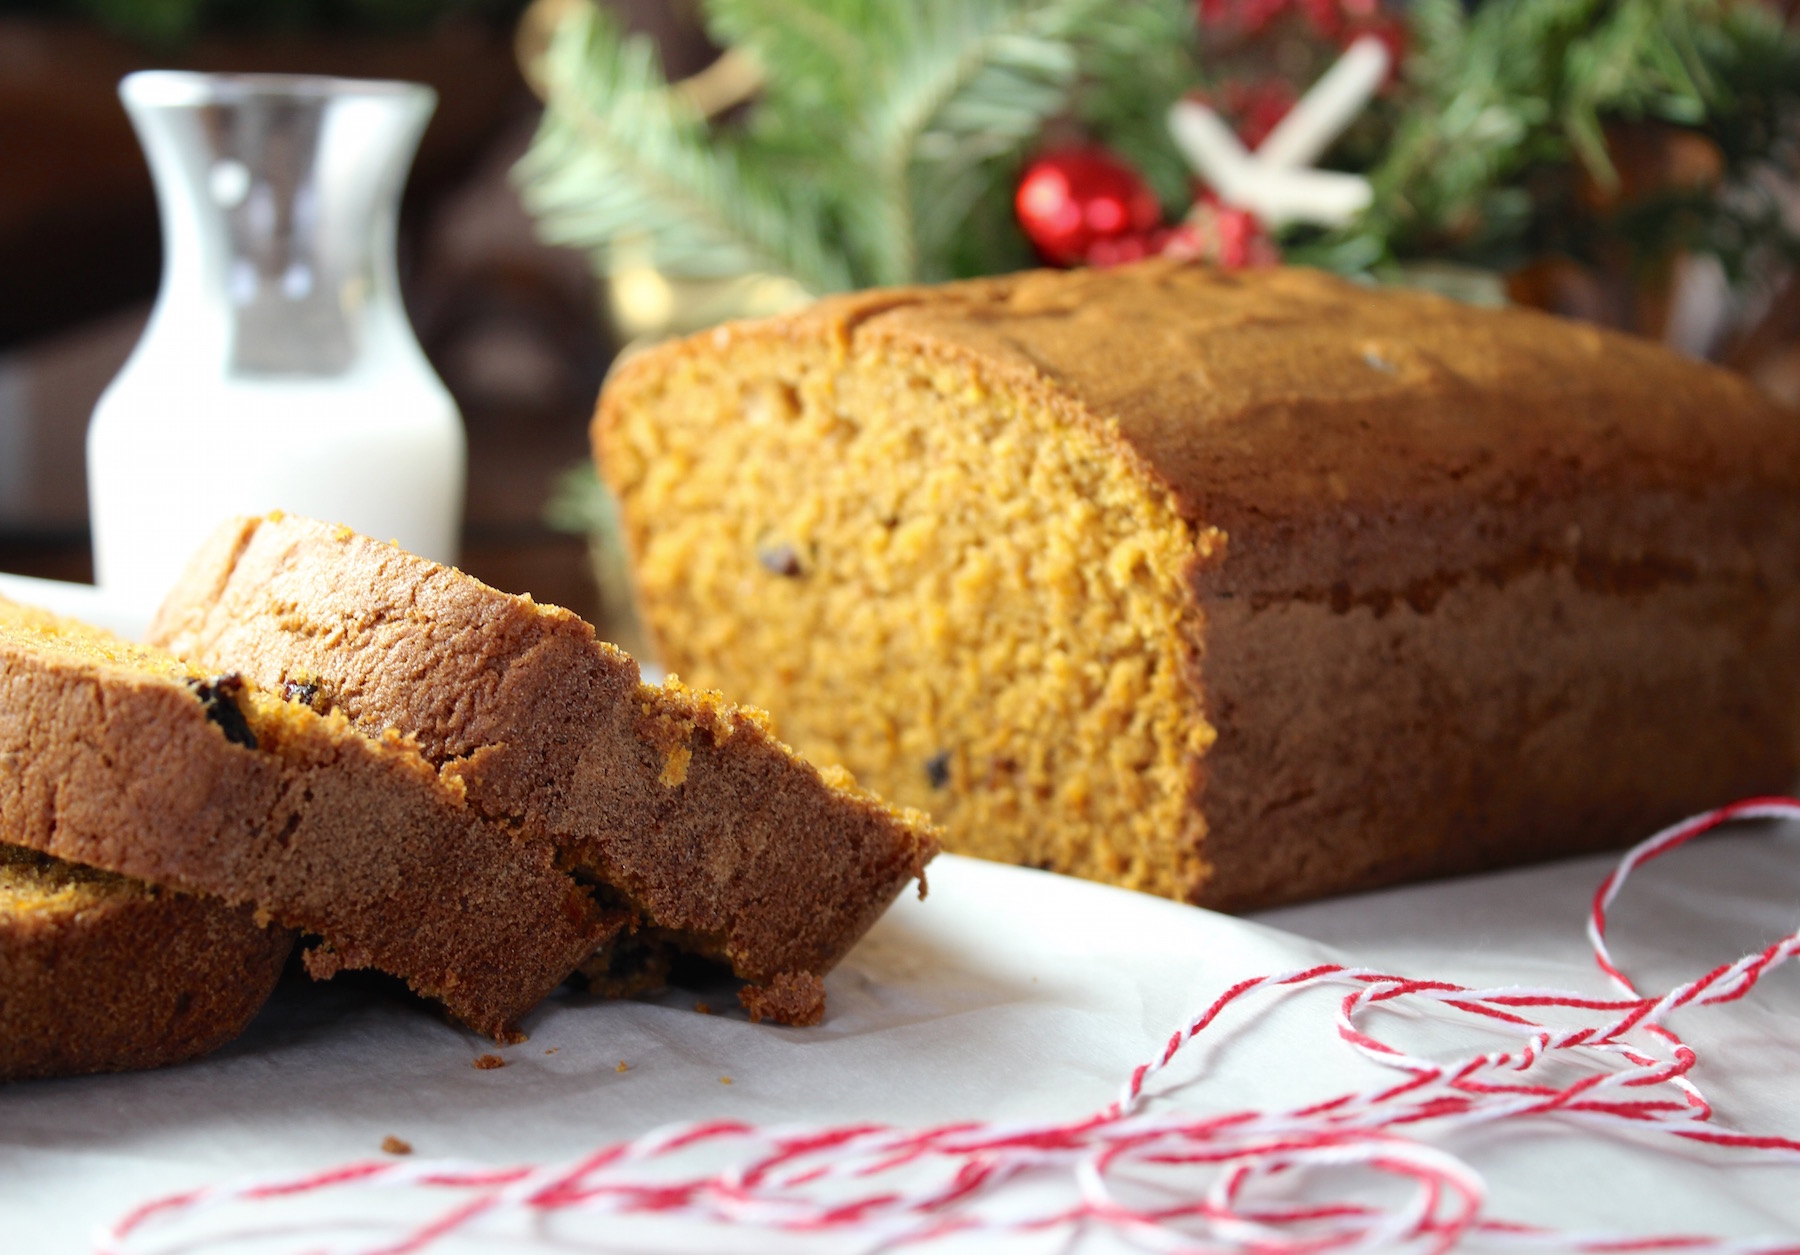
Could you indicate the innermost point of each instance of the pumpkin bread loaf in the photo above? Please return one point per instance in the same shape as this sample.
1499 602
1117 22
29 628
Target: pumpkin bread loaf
103 974
1240 588
121 757
680 809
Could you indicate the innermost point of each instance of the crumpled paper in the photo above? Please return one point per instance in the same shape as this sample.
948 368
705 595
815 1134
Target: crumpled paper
1007 994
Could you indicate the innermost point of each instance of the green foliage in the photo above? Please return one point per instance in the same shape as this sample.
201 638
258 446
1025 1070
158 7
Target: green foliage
871 156
887 137
580 504
975 82
1507 113
1135 65
619 157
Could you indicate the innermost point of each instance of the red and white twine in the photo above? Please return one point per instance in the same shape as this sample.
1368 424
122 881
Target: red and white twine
1246 1181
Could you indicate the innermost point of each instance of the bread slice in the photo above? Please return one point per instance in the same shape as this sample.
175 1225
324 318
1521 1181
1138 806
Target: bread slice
678 807
121 757
99 973
1237 587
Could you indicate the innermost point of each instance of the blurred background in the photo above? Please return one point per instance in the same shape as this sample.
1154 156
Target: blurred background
1633 162
515 328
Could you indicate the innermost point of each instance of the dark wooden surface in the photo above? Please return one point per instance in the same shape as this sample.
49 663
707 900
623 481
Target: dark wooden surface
49 556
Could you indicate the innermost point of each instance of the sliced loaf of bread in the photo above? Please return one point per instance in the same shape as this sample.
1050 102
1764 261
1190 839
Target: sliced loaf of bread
679 808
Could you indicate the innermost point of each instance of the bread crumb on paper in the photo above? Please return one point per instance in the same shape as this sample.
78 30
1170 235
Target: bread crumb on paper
487 1062
396 1145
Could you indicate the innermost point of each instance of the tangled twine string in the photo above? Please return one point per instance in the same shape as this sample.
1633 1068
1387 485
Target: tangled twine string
1162 1181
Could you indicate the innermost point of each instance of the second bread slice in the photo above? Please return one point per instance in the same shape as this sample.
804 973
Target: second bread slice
677 806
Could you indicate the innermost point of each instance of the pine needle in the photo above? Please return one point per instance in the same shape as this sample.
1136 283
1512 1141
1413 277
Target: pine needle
619 156
886 136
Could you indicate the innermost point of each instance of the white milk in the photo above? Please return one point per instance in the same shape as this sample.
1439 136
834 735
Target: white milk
176 447
278 371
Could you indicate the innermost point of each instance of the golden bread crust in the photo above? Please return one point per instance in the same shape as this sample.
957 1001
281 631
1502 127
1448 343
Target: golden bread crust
1266 401
1274 392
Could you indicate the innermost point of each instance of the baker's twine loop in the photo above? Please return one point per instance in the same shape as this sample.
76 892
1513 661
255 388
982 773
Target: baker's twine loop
1249 1181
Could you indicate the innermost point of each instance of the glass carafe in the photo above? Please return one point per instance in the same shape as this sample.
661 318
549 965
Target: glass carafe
278 369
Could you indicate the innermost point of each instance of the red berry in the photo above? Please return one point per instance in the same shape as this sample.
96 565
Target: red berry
1324 16
1120 249
1212 232
1184 242
1074 198
1256 108
1255 16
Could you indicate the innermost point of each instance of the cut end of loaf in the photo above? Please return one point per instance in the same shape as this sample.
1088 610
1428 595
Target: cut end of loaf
969 595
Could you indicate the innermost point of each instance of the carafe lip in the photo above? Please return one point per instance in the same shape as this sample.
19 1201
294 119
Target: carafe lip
189 88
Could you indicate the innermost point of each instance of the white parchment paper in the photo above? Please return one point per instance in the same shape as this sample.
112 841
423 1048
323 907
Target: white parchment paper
1007 994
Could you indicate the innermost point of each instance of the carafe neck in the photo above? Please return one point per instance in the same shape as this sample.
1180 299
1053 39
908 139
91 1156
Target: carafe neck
279 198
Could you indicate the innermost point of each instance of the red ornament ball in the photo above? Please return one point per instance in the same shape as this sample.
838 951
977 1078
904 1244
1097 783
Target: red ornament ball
1075 198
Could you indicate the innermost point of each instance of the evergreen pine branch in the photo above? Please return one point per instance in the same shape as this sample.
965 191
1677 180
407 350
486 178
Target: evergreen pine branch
1480 96
820 46
1639 60
620 157
1754 52
1521 89
973 80
1753 60
983 128
848 170
888 134
1137 60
